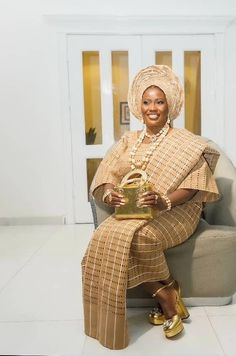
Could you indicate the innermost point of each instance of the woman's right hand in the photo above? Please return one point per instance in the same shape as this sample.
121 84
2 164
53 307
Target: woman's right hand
113 198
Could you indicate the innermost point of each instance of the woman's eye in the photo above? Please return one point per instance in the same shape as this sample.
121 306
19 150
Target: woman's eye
145 102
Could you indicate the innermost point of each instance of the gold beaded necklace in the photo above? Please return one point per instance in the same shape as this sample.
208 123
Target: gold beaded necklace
155 141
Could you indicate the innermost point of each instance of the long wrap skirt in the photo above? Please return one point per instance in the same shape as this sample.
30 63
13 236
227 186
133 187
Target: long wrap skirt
123 254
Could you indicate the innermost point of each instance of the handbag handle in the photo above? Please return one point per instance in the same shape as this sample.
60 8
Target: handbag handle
141 179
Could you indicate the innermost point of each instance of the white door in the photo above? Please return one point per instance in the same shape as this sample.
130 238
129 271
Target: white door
94 63
100 68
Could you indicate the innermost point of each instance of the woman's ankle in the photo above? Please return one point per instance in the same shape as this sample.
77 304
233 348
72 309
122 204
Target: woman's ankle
168 301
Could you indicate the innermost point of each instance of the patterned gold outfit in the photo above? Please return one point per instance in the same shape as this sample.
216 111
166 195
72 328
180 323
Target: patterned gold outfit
125 253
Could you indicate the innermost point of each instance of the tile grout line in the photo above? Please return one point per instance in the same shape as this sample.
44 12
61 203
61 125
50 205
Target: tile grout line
215 333
23 266
83 347
39 321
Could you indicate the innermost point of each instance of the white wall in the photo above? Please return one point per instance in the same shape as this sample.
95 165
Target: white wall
230 92
32 179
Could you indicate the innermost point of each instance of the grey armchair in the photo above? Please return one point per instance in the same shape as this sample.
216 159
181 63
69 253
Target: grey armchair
205 264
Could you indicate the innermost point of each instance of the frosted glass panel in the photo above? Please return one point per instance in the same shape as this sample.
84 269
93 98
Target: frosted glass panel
120 83
192 84
92 97
92 166
164 57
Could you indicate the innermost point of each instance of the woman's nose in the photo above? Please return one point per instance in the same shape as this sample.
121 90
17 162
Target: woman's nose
152 107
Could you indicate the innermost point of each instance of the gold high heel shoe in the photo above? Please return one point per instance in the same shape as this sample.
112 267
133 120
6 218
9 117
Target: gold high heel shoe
173 326
156 316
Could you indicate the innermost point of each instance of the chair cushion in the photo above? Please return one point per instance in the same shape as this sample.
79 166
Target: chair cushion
205 264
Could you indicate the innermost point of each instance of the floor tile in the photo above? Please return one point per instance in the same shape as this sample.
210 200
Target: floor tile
17 246
229 309
42 338
49 286
225 330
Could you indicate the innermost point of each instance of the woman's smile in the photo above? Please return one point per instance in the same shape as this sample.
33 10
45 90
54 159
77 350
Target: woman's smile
153 116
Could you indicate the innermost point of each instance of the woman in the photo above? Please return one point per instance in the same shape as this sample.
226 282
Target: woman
125 253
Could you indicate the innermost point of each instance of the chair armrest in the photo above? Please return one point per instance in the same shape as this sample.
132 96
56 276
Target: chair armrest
223 212
100 211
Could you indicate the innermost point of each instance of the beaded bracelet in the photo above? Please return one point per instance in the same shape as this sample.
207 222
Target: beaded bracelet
106 193
167 201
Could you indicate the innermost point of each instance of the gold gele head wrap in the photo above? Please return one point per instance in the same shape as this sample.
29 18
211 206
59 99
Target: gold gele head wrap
163 77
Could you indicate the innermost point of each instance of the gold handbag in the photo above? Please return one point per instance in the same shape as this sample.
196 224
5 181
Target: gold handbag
133 184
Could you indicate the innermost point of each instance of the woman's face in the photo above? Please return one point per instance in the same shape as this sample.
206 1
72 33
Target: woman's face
154 108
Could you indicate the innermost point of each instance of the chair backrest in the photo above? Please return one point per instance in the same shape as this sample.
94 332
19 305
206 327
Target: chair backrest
223 212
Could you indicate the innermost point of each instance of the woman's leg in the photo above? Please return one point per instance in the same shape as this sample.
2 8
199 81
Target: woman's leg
166 296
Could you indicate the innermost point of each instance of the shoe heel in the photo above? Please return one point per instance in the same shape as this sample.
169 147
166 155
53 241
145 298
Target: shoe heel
182 310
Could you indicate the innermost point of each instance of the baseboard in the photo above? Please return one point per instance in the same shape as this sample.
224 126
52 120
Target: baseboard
211 301
189 302
33 220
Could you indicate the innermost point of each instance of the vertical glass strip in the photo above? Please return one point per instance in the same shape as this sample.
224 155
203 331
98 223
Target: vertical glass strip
92 166
120 84
192 86
92 98
164 57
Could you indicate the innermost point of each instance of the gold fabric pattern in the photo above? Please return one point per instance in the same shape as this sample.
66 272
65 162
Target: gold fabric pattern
125 253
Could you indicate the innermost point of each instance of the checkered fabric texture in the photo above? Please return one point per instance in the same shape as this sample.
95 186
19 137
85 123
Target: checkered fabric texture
125 253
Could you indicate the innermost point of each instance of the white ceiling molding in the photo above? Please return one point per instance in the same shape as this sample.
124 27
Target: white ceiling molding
91 24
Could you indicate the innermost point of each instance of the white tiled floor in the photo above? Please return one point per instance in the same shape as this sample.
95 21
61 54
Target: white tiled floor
41 307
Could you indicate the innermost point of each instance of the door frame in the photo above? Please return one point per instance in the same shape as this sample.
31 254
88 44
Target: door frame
63 25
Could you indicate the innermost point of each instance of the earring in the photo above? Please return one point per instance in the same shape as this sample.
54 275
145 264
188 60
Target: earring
168 121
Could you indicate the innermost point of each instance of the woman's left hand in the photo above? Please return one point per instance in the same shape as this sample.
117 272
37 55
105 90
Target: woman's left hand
148 199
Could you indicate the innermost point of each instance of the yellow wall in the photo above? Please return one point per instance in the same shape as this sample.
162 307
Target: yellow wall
92 94
92 91
164 57
192 70
120 83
